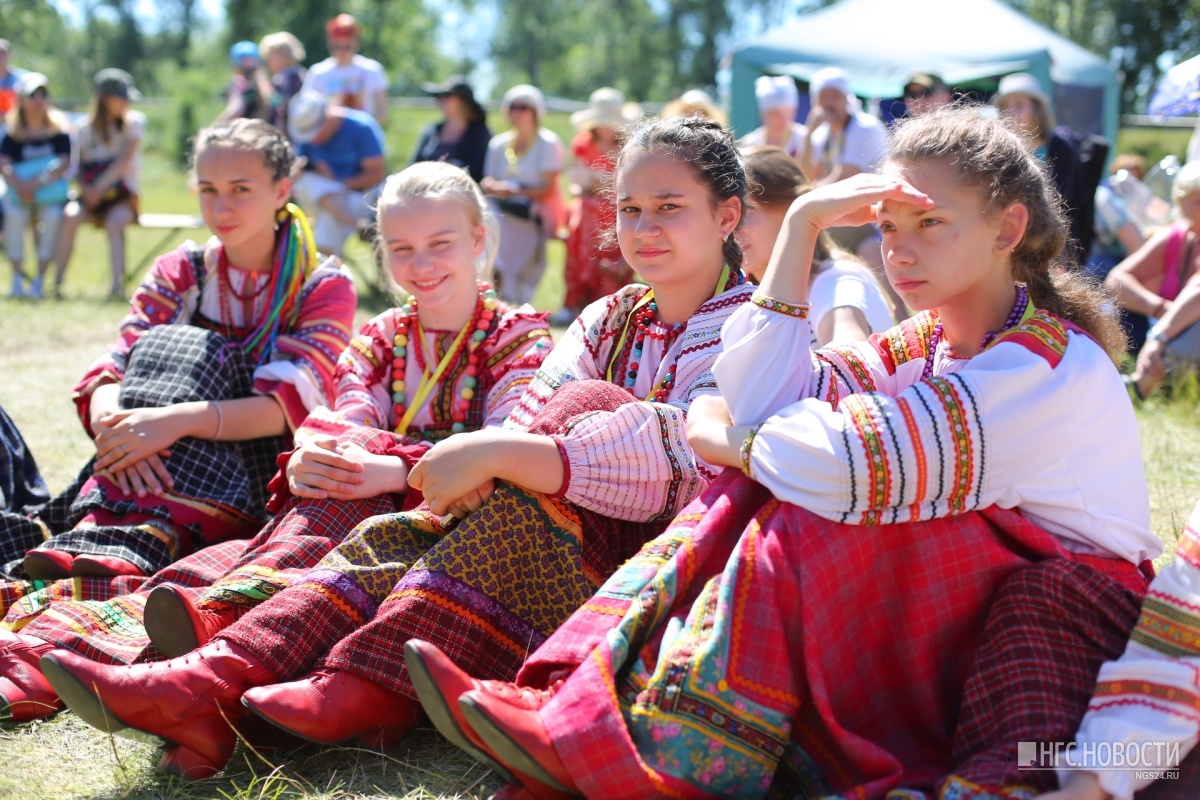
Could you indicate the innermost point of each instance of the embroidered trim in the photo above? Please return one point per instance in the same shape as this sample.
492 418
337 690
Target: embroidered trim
797 310
744 452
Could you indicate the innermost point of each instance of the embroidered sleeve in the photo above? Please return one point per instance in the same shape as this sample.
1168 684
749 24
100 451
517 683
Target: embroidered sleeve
166 296
1024 424
359 377
522 344
767 364
635 463
575 357
1152 692
300 374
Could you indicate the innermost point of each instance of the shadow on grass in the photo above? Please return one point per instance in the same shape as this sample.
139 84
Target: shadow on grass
65 758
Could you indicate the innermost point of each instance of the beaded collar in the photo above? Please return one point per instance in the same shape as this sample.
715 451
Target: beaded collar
627 362
1014 318
467 341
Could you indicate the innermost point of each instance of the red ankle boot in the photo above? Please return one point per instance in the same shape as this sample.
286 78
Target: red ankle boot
25 694
191 701
176 626
439 683
48 565
330 706
94 566
518 737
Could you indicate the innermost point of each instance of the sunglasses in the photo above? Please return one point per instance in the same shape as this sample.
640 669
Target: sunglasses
917 94
341 45
520 107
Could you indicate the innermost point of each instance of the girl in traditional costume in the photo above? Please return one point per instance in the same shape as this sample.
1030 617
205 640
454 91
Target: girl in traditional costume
224 350
590 465
810 625
451 359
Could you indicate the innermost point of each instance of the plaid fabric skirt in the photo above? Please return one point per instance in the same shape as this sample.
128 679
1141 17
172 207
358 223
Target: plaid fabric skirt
755 649
487 590
102 618
220 487
21 484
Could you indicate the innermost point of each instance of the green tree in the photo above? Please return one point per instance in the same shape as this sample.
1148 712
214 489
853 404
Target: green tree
1131 34
400 34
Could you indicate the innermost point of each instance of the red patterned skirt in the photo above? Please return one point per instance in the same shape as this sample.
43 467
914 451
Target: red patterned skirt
755 649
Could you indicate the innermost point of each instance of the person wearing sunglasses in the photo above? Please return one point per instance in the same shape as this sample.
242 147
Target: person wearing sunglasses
348 79
925 92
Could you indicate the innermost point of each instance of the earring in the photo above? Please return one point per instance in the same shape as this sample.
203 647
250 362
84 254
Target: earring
725 238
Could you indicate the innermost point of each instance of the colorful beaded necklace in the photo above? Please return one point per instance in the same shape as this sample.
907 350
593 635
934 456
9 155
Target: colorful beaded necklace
642 316
1014 318
467 340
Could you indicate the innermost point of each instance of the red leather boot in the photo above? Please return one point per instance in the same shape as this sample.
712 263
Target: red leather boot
25 694
330 706
191 702
440 683
48 565
518 737
96 566
176 626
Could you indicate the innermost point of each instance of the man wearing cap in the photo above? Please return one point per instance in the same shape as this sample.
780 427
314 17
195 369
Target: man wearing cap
461 137
341 153
346 78
925 92
843 140
778 100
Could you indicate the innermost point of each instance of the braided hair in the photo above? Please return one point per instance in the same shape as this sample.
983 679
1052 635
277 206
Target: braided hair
991 156
704 146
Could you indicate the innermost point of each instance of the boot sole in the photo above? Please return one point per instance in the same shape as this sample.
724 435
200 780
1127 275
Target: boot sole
498 739
250 707
168 624
81 699
439 713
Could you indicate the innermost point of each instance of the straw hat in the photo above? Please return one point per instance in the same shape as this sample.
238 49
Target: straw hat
606 109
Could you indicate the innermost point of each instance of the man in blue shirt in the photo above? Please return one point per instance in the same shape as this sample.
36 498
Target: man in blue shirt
341 153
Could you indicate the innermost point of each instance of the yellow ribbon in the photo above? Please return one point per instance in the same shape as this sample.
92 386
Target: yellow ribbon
429 381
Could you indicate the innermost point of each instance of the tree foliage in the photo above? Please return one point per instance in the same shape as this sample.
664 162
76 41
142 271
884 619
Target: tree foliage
400 34
650 49
1131 34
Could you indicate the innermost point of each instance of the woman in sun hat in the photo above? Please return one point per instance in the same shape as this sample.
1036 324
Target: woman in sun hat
461 137
109 149
35 154
594 267
520 178
1021 97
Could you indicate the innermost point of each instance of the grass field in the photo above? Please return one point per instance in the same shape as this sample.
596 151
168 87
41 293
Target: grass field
45 347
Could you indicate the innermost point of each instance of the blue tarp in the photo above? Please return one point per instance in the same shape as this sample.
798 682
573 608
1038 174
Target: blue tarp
880 43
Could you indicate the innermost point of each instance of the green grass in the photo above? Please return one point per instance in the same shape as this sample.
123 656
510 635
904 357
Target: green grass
47 346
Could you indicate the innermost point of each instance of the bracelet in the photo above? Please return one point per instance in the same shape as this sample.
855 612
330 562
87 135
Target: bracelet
744 452
797 310
220 420
1158 333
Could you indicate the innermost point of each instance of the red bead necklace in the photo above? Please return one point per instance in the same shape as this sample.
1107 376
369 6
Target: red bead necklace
467 340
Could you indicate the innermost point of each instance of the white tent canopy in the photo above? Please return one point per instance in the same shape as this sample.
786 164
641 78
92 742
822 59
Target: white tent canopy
880 43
